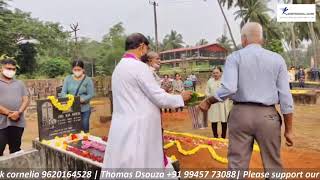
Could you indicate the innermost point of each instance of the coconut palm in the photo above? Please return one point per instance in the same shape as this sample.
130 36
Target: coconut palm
220 2
173 40
254 11
310 31
225 42
202 42
232 3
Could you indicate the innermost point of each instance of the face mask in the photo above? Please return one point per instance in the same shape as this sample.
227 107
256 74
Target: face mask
9 73
77 73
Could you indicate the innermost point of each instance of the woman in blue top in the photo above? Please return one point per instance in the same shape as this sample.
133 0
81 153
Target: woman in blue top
81 85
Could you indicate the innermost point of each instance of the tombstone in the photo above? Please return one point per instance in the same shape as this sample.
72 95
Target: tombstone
53 122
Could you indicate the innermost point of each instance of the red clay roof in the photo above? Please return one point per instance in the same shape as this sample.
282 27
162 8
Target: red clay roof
219 48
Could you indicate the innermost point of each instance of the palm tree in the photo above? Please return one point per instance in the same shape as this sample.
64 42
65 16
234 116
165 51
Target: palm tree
254 11
173 40
227 22
225 42
232 3
202 42
310 30
152 43
3 6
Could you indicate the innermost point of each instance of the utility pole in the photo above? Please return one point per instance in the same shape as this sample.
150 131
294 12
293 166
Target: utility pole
74 28
155 4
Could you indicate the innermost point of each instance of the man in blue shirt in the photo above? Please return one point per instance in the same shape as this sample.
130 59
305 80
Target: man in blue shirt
256 80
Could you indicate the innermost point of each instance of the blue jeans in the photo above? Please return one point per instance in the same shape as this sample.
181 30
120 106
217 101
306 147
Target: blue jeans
86 120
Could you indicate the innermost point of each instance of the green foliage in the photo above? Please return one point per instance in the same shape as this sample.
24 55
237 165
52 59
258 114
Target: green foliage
253 11
173 40
112 49
26 58
202 42
225 42
15 25
274 45
55 67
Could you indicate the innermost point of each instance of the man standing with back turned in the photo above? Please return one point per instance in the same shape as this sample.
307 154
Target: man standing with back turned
257 80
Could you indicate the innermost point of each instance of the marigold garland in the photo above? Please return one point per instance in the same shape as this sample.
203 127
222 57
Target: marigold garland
55 102
255 146
201 146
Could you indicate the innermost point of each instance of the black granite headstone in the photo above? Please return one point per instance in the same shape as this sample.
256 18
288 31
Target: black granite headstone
53 122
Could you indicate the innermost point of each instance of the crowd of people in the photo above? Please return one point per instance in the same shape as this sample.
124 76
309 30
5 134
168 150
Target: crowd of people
177 86
301 75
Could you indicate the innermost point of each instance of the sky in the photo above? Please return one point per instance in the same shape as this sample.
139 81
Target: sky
194 19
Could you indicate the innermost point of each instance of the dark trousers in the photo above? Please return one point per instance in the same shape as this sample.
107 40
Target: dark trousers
291 85
86 120
194 85
301 83
214 127
12 136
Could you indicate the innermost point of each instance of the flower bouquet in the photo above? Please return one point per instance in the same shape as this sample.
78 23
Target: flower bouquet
199 118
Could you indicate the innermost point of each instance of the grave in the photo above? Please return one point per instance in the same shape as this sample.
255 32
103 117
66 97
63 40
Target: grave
62 144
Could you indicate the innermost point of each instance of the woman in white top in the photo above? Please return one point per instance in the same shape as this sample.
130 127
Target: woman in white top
178 87
218 112
291 74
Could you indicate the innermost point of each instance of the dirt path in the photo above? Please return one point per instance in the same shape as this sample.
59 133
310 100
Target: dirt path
305 153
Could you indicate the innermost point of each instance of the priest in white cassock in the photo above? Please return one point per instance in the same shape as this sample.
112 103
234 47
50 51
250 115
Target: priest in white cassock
135 136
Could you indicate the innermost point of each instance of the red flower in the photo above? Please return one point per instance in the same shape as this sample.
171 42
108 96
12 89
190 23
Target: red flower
74 136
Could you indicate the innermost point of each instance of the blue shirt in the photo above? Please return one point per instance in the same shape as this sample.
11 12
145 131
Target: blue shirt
254 74
188 85
86 91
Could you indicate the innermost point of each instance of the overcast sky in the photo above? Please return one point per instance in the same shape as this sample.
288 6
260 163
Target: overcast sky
194 19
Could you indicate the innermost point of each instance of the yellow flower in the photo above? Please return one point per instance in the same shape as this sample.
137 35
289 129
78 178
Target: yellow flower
55 102
212 152
173 158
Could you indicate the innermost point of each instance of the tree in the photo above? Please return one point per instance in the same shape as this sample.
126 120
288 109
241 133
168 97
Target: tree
152 43
232 3
3 4
225 42
253 11
202 42
220 2
112 48
26 58
55 67
274 45
16 25
173 40
309 30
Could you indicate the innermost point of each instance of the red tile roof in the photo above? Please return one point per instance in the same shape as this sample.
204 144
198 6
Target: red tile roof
214 47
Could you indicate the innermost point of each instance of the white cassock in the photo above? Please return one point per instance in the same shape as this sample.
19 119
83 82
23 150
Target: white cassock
135 136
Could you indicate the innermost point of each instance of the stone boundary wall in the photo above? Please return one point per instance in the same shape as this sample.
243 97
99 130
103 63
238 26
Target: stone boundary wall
41 89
